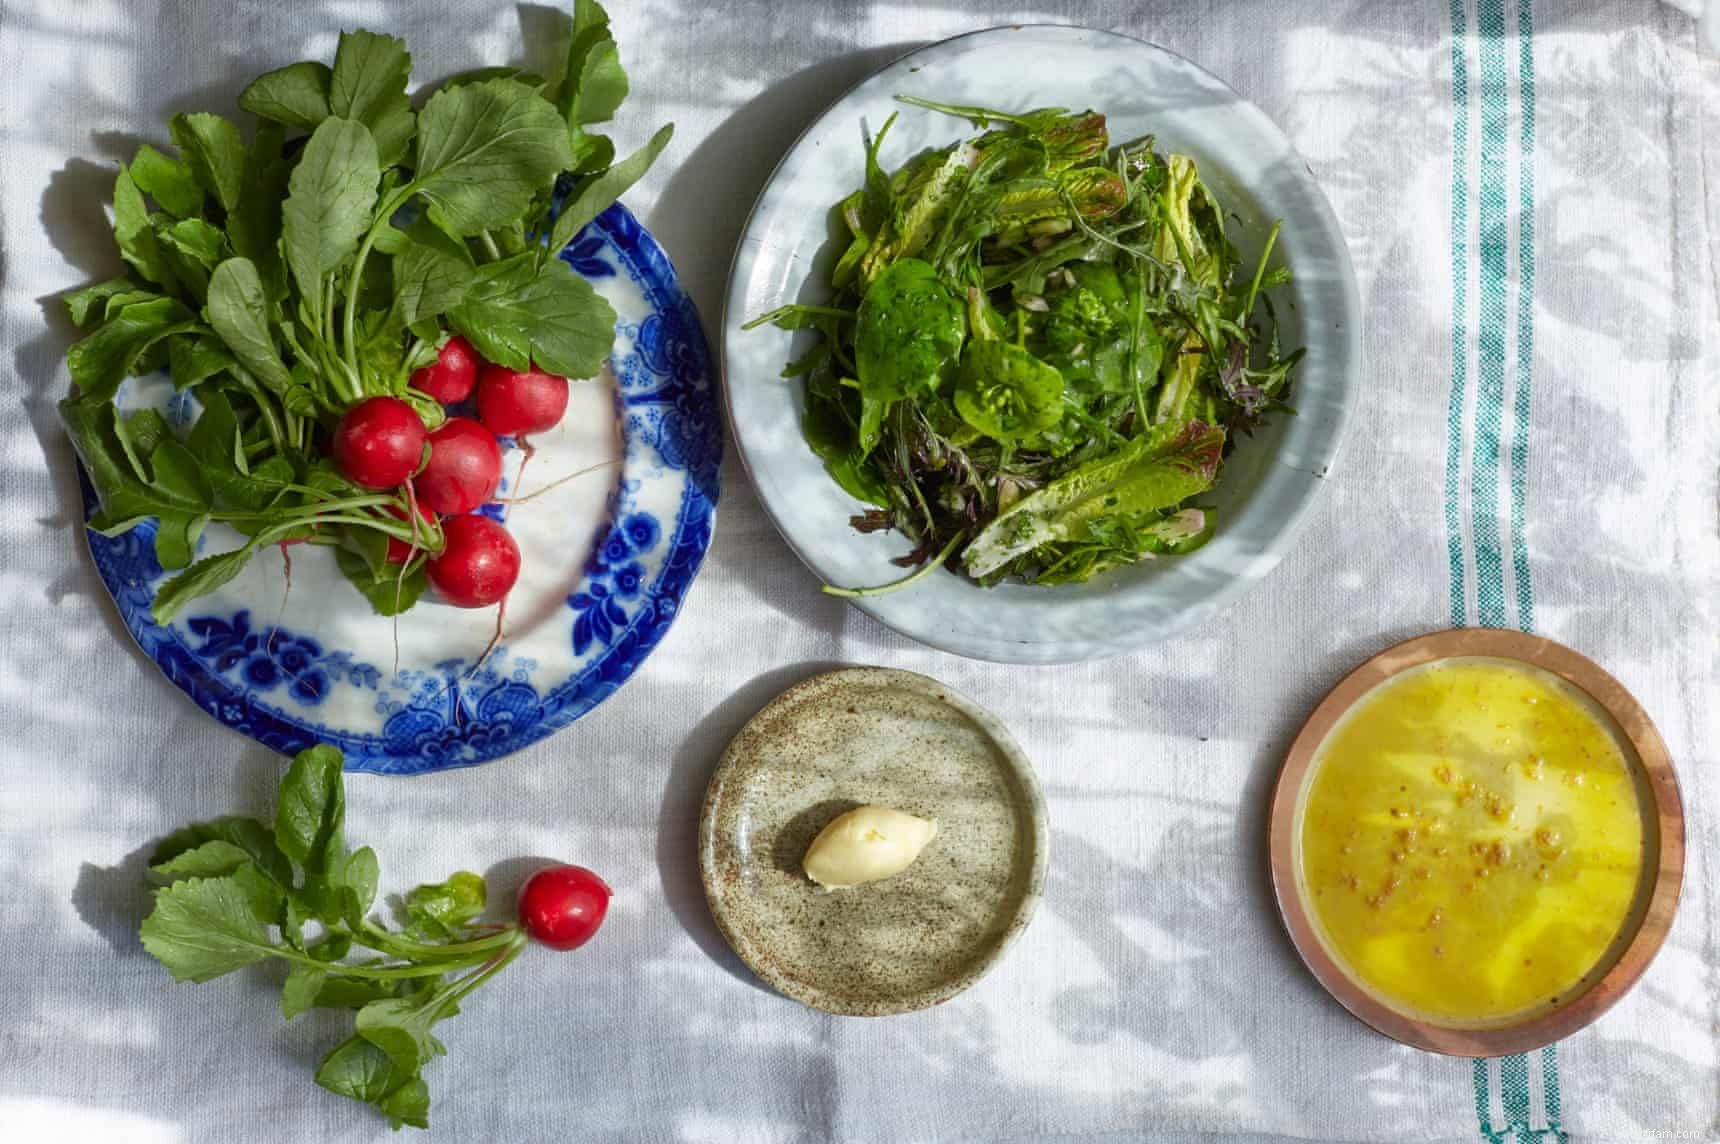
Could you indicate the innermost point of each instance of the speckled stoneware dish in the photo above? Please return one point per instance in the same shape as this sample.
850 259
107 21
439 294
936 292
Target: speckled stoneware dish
1267 485
841 740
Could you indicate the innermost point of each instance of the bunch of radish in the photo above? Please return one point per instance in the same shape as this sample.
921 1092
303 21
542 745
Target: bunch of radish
448 472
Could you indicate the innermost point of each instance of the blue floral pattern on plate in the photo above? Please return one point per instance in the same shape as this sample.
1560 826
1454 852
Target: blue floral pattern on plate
275 683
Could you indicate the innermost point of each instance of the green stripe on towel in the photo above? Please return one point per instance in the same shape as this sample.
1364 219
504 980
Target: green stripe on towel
1459 308
1490 329
1503 1085
1525 324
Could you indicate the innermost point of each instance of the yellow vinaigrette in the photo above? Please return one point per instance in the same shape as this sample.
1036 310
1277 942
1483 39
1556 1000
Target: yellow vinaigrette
1472 841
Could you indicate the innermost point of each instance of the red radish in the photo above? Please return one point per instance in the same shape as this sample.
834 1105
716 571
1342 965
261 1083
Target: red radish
512 403
379 442
464 469
399 551
451 377
478 564
562 906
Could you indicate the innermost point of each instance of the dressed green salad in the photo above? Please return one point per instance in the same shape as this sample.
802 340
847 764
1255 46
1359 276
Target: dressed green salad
1038 349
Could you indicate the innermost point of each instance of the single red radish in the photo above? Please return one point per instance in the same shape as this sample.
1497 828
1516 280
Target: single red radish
478 564
514 403
562 906
399 551
451 376
464 469
379 443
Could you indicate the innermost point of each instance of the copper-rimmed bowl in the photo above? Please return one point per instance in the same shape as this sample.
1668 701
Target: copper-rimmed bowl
1645 927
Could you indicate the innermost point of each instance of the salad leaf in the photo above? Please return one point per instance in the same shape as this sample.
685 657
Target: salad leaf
1006 393
910 328
1144 476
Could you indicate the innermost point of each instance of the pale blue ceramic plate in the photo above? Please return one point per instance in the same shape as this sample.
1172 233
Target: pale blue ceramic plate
1268 483
606 560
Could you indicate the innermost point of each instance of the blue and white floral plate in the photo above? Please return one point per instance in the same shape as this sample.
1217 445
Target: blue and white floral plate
606 560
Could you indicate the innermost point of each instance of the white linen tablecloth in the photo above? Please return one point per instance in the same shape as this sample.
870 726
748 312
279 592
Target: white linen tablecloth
1533 222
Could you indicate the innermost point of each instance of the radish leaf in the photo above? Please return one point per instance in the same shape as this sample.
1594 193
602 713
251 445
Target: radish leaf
214 859
135 235
168 181
202 928
332 194
484 151
254 227
369 84
442 910
518 313
312 808
401 1028
296 95
408 1104
83 302
249 835
239 314
388 591
431 273
199 579
360 1070
592 196
300 990
214 151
